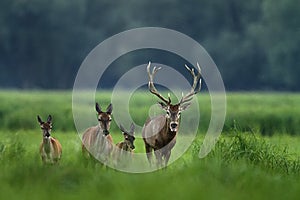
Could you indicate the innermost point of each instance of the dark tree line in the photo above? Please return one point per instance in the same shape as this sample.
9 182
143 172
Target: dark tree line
255 44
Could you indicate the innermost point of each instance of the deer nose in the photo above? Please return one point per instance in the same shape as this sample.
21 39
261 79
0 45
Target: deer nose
173 125
47 135
106 132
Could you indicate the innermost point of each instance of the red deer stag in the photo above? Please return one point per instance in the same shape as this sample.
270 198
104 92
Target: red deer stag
125 148
50 148
159 133
96 140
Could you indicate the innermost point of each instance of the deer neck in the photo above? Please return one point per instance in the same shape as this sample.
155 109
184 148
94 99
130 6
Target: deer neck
100 131
47 142
125 146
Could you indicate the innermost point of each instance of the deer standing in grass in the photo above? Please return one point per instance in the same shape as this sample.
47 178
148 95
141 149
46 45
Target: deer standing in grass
159 133
96 140
50 148
124 150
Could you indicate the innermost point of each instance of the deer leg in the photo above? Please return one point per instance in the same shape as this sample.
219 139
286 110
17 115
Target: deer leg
86 157
149 152
167 157
55 160
44 160
158 155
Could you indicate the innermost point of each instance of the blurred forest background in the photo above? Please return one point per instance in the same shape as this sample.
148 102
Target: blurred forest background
255 44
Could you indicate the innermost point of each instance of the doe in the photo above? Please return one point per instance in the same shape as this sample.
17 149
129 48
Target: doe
96 140
50 148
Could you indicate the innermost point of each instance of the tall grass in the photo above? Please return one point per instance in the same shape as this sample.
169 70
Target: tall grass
238 165
250 147
269 114
243 164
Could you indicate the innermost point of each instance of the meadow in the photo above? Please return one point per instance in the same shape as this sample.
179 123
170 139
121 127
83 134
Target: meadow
256 157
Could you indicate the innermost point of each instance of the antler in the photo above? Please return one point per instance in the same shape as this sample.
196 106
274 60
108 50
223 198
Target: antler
151 86
189 96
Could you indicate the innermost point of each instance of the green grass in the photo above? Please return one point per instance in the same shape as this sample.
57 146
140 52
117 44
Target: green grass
243 165
267 113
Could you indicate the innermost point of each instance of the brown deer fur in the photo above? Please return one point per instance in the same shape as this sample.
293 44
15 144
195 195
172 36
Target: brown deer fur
125 148
50 148
96 140
159 133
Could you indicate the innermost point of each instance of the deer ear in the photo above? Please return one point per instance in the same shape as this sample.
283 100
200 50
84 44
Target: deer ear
109 108
162 105
122 128
49 120
184 106
132 128
39 119
98 108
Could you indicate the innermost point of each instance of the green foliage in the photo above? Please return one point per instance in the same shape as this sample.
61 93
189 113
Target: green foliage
280 23
255 44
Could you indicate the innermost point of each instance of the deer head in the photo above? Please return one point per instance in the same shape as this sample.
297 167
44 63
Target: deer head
104 118
173 111
128 136
45 126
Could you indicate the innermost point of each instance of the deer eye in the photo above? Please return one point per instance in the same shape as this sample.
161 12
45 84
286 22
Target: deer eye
168 113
